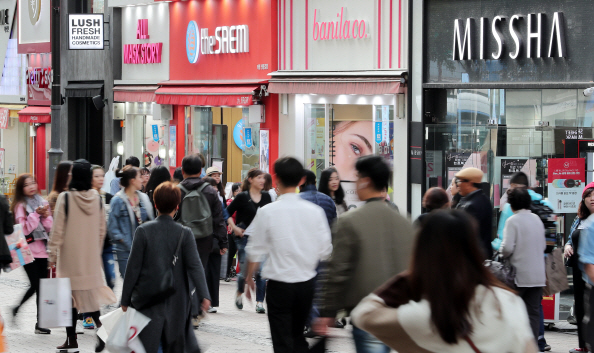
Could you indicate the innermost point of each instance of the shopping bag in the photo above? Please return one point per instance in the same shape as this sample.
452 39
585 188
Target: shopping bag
556 273
110 174
108 322
19 249
55 303
123 337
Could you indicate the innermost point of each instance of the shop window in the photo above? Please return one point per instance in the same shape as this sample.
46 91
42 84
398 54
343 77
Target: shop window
251 140
315 137
198 131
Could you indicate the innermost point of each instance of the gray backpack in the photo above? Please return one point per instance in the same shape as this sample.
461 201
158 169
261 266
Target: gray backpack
195 212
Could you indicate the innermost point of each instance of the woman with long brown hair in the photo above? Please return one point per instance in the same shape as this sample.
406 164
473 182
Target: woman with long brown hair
246 204
33 213
448 301
61 181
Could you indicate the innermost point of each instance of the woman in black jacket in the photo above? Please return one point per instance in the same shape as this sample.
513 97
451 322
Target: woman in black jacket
159 175
7 222
154 246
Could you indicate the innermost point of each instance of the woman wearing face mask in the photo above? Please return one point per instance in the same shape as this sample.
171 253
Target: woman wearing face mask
330 185
129 209
246 204
33 213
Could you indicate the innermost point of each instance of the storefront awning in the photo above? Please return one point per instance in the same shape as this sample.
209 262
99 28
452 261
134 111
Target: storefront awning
36 115
134 93
13 109
206 95
335 86
83 89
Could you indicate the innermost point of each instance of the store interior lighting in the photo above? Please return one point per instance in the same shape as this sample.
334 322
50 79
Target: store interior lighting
162 152
120 148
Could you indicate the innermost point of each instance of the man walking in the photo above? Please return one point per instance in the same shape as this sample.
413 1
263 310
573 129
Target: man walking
308 192
202 211
475 202
293 235
372 243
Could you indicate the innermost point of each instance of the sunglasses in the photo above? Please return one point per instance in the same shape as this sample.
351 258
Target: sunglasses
460 181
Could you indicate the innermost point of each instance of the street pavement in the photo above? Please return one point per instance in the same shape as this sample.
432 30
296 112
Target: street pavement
229 330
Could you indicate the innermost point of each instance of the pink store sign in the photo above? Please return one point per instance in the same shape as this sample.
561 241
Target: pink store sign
342 28
144 53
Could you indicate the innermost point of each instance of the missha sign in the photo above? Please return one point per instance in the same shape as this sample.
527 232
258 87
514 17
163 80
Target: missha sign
342 35
465 48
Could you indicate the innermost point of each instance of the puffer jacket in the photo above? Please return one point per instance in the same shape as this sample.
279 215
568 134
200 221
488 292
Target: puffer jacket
122 222
311 194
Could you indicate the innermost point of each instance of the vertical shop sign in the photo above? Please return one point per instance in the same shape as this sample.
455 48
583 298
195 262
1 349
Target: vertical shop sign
156 133
264 151
385 123
1 161
566 177
378 132
248 137
4 115
172 145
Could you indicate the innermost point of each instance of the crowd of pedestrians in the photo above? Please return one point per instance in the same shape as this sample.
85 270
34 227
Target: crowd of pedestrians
302 251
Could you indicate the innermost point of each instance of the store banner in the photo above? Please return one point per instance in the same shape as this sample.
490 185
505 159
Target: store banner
34 32
566 179
265 151
4 116
172 145
248 137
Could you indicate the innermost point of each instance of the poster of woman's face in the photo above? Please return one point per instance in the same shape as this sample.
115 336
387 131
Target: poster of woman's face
351 140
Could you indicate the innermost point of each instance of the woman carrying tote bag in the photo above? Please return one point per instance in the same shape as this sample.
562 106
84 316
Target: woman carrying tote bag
154 248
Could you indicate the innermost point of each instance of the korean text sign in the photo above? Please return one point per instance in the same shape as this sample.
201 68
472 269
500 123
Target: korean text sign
566 178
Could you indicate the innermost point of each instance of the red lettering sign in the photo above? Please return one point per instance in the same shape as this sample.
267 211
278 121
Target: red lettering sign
146 53
338 30
4 116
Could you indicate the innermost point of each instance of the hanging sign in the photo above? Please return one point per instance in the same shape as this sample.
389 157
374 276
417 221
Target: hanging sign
385 123
566 178
156 133
85 31
4 115
248 137
378 132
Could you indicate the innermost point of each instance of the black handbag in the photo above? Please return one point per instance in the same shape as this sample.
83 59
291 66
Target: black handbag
149 293
502 269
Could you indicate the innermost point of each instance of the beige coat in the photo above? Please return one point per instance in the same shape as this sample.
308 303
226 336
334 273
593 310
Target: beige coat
76 244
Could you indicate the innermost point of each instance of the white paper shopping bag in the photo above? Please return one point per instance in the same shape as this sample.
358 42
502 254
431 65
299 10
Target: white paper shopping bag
55 303
123 337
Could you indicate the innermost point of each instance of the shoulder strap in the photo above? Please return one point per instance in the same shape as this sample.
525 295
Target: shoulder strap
203 186
179 243
183 188
66 204
472 345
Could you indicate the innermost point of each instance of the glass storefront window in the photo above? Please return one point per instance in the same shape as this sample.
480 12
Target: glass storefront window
198 131
251 154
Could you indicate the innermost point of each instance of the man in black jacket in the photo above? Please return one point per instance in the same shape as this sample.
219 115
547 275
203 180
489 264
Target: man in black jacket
475 202
191 169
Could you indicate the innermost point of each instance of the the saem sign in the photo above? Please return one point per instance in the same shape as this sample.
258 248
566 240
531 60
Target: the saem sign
144 53
343 28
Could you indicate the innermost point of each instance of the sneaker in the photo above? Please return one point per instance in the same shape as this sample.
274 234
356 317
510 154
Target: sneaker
574 350
239 301
547 348
338 324
79 327
260 308
196 321
212 310
42 331
88 324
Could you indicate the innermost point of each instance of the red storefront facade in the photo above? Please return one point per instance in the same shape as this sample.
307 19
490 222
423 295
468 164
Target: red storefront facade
220 56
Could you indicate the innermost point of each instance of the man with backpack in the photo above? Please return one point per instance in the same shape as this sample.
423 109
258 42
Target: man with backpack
201 210
542 208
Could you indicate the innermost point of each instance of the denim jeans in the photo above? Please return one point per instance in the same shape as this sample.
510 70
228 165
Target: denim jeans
542 342
122 259
109 267
366 343
241 257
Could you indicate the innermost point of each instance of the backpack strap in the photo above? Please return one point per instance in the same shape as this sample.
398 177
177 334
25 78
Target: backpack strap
66 204
202 187
183 188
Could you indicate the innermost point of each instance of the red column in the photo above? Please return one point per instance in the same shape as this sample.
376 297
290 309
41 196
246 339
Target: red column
40 157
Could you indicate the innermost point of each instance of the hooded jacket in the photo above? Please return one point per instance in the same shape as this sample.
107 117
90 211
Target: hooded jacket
216 209
122 221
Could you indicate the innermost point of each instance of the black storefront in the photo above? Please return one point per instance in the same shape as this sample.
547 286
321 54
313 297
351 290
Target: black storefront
503 87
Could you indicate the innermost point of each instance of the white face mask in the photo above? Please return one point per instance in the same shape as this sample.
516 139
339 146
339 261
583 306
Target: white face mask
362 186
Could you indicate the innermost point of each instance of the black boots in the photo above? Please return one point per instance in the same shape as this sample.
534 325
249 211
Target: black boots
70 346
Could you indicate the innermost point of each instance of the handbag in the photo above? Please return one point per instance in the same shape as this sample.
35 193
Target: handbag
149 293
556 273
502 269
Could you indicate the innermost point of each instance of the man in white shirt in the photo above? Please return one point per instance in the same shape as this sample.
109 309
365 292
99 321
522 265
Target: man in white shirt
293 236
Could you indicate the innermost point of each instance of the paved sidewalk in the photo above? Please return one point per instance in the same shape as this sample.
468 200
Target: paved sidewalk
229 330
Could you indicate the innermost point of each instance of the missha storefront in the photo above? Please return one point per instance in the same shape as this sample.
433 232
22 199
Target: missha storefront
340 79
504 91
221 55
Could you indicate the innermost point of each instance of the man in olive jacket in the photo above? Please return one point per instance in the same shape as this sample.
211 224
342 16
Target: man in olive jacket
371 244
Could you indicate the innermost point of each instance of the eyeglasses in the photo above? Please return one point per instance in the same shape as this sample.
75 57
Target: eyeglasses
460 181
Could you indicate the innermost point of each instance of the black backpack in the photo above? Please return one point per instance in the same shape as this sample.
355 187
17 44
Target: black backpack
549 220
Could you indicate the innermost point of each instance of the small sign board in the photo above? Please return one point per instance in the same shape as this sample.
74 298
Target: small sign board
85 31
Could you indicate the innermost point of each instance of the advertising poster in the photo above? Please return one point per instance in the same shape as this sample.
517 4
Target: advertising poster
349 141
172 145
508 168
350 194
454 162
566 177
265 151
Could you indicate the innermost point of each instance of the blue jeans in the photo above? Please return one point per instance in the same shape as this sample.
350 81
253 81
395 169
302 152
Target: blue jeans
122 259
109 267
541 339
241 257
366 343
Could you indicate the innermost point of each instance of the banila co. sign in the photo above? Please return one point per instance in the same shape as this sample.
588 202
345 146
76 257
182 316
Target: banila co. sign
227 40
554 45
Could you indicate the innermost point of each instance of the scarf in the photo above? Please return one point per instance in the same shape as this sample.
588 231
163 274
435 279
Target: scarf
32 203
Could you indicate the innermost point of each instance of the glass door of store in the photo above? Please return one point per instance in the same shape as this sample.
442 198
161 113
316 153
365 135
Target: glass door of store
218 150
